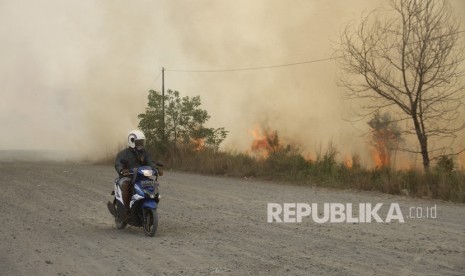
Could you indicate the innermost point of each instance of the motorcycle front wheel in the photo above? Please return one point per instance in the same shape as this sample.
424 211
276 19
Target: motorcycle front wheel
120 223
150 222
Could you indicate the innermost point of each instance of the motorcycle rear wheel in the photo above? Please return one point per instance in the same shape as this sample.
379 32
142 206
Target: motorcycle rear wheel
150 222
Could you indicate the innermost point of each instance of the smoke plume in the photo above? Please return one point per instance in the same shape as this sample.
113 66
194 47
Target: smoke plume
75 74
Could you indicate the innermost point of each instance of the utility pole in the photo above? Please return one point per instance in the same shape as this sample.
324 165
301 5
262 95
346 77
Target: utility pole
163 100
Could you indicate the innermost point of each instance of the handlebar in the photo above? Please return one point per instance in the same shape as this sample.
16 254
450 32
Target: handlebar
126 172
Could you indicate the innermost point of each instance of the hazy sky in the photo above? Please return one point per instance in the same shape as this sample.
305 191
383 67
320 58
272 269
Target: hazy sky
75 74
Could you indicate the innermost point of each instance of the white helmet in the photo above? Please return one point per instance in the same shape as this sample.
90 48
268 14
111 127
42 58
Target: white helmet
136 139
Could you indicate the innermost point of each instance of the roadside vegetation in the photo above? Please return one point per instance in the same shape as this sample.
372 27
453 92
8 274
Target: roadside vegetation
188 145
287 164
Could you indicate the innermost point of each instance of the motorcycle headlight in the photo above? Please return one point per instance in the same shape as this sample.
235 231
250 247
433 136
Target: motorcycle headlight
147 172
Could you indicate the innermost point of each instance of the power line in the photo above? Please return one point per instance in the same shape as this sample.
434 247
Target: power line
252 68
279 65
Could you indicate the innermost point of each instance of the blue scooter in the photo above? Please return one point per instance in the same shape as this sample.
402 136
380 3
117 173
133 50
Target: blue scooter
144 201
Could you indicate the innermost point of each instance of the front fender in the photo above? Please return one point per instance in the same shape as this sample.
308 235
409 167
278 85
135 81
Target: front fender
149 204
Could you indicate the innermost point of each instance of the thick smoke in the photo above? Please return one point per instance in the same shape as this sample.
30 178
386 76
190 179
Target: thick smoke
75 74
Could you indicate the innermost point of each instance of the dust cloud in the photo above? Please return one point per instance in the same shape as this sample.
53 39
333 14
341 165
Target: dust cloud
75 74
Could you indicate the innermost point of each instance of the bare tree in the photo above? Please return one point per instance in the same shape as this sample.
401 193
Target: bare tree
408 59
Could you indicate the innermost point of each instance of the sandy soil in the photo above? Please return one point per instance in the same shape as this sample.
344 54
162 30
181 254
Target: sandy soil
55 222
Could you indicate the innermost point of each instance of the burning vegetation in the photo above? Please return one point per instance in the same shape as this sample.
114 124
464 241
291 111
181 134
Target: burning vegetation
272 158
198 144
191 146
385 139
348 162
265 142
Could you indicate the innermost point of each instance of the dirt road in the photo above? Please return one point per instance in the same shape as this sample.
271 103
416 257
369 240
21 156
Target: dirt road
55 222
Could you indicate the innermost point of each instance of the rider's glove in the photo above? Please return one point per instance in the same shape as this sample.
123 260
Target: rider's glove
124 172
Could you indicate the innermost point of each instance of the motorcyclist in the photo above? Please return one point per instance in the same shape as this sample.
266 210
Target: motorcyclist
133 156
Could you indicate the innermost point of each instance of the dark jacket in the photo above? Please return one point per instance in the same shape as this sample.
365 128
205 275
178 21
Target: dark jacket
130 158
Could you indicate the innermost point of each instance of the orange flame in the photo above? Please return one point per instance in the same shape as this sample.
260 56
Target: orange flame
199 144
348 162
380 154
260 144
264 142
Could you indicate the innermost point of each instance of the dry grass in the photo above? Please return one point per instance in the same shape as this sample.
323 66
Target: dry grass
289 165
